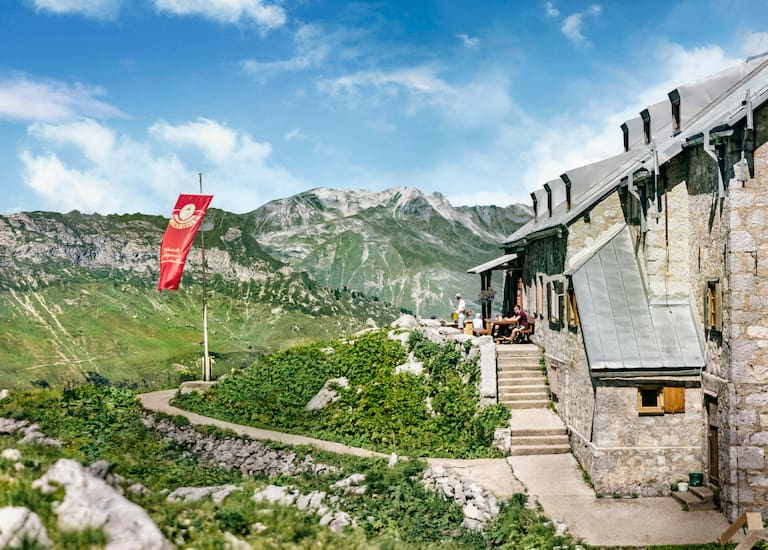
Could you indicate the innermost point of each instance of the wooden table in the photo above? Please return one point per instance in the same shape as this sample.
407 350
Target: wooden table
503 322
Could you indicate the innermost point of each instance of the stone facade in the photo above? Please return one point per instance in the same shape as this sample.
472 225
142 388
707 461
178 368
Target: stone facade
698 223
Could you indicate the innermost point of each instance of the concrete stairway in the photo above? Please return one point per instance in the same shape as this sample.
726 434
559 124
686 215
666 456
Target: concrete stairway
520 380
696 498
534 428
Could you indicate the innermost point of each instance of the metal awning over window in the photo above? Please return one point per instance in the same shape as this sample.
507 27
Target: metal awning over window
499 263
623 332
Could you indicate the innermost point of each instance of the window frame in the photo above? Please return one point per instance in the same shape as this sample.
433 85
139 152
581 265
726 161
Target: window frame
713 307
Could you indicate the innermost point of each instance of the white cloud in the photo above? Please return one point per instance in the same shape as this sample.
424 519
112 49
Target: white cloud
573 25
96 9
550 10
469 41
755 43
88 166
296 133
524 152
23 99
218 143
314 46
266 15
475 102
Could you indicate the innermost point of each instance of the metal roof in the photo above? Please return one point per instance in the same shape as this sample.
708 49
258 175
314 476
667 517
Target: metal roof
493 264
584 192
723 98
622 331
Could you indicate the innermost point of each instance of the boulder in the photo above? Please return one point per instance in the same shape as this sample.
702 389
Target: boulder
90 502
4 393
407 322
192 494
11 454
434 323
19 527
326 395
411 365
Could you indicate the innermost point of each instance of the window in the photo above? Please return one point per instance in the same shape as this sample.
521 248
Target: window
554 301
540 296
650 401
713 307
571 311
656 400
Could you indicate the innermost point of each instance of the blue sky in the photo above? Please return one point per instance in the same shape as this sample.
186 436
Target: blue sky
116 105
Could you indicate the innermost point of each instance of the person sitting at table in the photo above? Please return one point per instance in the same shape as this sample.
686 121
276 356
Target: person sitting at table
499 331
522 322
477 322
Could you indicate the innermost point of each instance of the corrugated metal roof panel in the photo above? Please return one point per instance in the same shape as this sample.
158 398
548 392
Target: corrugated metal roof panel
621 330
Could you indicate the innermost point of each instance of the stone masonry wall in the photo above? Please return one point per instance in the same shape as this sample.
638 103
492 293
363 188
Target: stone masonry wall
641 455
746 409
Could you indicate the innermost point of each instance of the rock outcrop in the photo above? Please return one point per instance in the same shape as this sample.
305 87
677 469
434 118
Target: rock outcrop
90 502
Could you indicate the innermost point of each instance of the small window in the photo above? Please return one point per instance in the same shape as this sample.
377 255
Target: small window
650 401
540 296
655 400
571 311
555 301
713 307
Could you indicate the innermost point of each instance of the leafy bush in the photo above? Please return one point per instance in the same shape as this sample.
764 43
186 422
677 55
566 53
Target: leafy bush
434 414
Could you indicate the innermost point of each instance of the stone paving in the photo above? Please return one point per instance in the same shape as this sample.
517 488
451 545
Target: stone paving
554 481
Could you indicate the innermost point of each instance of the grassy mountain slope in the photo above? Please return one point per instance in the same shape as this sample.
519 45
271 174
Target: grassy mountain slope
77 295
407 247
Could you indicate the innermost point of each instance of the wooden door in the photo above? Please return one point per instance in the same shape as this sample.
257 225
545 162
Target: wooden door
713 449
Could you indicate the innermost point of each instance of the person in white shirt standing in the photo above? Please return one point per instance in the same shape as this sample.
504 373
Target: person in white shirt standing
461 309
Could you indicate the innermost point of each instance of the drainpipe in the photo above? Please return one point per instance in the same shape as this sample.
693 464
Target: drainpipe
657 203
633 190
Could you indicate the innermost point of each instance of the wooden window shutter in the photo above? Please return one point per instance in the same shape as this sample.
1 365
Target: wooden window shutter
719 310
674 400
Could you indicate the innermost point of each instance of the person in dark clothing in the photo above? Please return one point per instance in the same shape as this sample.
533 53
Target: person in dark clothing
522 322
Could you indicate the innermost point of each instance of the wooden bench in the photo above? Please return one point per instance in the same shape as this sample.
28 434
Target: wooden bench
524 336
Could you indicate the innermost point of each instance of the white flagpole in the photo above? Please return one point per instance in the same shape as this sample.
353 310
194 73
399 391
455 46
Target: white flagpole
206 357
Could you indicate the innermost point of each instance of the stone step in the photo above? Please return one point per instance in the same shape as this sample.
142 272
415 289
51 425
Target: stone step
539 440
523 432
523 388
528 404
528 396
501 366
517 373
521 351
704 493
693 502
520 450
532 362
521 381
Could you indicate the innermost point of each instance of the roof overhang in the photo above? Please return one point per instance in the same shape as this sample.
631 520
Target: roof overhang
499 263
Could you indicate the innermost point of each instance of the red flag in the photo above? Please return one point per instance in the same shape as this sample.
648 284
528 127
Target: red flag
185 219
